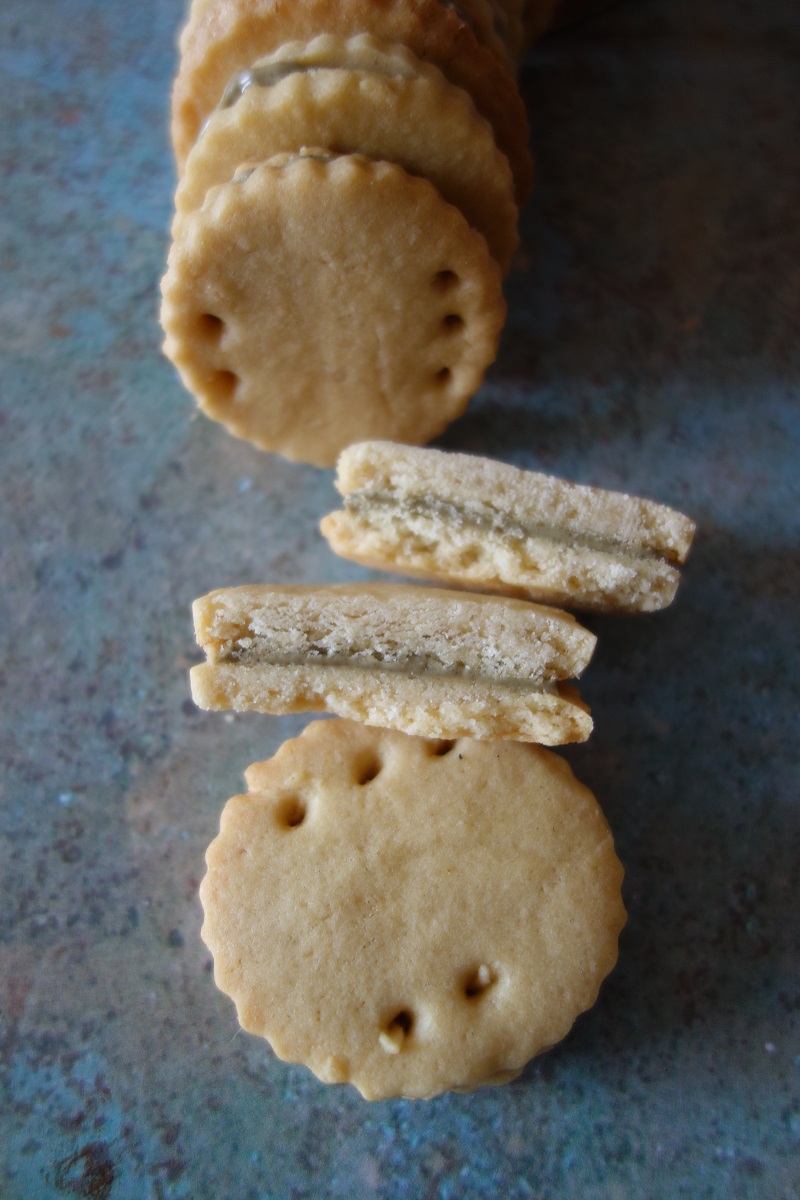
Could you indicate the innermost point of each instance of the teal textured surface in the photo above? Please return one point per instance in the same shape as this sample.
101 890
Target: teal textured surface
652 345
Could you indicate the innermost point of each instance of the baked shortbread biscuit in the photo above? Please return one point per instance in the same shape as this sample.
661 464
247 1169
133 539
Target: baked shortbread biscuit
228 35
486 525
359 95
317 300
411 916
478 14
422 660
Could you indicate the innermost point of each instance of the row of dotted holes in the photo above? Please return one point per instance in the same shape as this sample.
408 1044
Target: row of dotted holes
292 811
225 382
445 281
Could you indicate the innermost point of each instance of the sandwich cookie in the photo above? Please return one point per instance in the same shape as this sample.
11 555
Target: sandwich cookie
486 525
317 300
478 14
411 916
425 661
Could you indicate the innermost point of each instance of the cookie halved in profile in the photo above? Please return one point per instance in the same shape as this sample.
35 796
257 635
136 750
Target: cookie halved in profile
359 95
319 299
426 661
229 35
411 916
483 524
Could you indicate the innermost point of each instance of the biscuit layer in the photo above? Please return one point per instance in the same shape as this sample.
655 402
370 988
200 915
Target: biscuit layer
409 915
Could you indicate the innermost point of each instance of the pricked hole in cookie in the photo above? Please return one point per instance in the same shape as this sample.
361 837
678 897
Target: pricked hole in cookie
478 981
211 326
399 1027
291 812
443 376
223 385
443 281
452 323
441 747
368 769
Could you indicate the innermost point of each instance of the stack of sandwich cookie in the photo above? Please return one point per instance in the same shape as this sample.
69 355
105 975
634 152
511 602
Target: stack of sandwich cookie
337 92
384 307
228 36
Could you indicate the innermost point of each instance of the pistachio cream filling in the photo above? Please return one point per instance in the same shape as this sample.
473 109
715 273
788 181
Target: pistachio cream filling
260 651
268 72
486 519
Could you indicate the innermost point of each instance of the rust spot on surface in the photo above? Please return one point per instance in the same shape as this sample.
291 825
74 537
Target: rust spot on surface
88 1173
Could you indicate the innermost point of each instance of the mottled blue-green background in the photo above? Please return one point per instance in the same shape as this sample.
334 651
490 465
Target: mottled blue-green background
653 344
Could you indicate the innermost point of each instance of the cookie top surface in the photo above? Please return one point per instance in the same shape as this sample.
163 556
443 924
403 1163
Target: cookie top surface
486 524
411 916
364 96
316 300
229 35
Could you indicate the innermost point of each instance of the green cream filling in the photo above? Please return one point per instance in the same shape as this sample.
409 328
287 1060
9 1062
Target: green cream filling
258 651
485 519
265 74
268 73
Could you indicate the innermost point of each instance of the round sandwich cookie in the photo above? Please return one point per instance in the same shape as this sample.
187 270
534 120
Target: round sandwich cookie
359 95
490 29
228 36
411 916
426 661
317 300
489 526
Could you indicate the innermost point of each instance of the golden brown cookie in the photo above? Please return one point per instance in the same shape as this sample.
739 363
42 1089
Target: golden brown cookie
482 524
423 660
359 95
316 300
231 34
411 916
490 30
